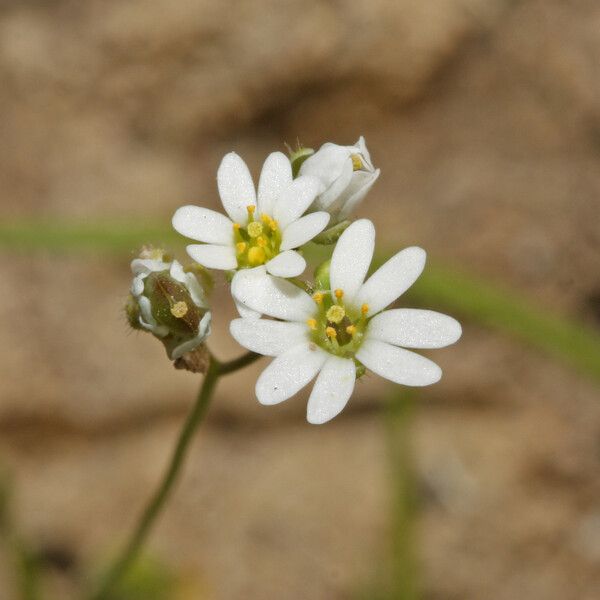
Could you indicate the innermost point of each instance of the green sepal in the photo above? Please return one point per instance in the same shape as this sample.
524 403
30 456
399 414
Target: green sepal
331 235
322 276
360 369
297 157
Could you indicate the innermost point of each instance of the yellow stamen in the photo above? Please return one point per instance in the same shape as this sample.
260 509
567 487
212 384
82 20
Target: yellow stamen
265 219
335 314
236 226
364 309
261 241
179 309
241 247
351 330
331 333
251 208
318 298
339 294
312 323
356 162
255 229
256 256
273 224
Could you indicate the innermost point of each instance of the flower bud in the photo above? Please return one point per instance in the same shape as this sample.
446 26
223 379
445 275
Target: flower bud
346 173
168 302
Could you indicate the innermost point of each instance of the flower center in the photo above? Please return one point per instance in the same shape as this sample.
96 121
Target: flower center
258 241
337 327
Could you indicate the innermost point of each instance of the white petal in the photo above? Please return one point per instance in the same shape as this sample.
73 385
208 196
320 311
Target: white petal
286 264
213 257
414 328
236 187
295 199
272 296
392 279
327 200
137 285
362 147
203 224
303 230
351 258
267 337
398 365
332 390
245 312
364 183
289 373
276 175
145 266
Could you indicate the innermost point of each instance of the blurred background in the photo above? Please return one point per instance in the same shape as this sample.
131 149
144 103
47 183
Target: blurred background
484 117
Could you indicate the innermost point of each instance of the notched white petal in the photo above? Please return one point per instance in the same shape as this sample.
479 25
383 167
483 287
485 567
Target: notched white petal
414 328
276 175
267 337
332 390
272 296
351 258
303 230
397 364
286 264
294 200
203 224
212 256
236 187
392 279
289 373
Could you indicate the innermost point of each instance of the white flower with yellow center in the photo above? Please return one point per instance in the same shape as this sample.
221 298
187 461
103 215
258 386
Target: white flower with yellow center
260 229
333 333
346 173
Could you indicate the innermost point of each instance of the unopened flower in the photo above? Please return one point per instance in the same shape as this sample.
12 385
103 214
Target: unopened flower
260 229
168 302
336 333
346 173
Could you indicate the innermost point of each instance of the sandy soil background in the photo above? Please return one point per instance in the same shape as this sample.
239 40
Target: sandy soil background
484 118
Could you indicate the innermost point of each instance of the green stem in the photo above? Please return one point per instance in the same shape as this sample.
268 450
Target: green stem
158 500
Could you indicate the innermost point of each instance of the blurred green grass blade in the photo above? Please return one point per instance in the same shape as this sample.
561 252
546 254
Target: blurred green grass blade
61 237
439 288
489 305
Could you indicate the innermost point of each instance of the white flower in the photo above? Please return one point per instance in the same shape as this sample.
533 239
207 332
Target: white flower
175 311
347 174
261 229
331 333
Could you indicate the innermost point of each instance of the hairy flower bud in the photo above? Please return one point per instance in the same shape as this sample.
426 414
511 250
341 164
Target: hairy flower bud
347 175
168 302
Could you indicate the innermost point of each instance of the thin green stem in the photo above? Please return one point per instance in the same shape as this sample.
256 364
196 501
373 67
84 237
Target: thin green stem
157 502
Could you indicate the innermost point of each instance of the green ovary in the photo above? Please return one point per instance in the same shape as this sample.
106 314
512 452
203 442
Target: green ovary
336 327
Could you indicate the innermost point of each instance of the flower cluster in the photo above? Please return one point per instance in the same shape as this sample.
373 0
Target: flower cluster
332 329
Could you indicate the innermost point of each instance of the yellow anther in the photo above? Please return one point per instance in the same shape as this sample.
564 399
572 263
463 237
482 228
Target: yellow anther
330 332
273 224
261 241
241 247
339 294
364 309
256 256
255 229
251 208
179 309
312 323
357 163
351 329
318 298
236 226
265 219
335 314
